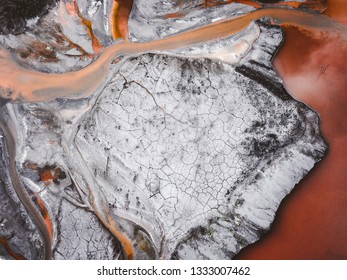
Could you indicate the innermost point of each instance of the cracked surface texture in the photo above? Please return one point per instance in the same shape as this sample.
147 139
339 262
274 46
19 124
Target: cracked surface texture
181 141
81 236
176 153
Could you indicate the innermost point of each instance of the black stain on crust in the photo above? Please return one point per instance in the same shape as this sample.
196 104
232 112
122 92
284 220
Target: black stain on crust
267 82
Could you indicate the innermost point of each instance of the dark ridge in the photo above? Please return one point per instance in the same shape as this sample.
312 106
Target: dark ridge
3 102
194 234
15 13
259 64
267 82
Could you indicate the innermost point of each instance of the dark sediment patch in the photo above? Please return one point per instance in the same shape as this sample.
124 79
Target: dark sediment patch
15 13
266 81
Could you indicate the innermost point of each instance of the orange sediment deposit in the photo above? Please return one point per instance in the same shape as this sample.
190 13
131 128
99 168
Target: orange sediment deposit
16 256
111 225
311 222
122 238
174 15
47 177
74 45
113 20
45 214
119 18
73 8
51 173
47 173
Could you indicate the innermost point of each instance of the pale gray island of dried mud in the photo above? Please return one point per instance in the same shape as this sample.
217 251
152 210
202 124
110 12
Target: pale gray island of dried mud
190 151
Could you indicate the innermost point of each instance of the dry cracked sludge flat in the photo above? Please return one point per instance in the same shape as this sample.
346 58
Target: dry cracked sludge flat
186 157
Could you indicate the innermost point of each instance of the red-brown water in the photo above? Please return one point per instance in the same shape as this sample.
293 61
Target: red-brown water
311 223
337 9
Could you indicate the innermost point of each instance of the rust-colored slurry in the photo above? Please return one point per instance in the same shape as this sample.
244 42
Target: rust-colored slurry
113 20
107 220
45 215
311 222
25 198
174 15
50 173
27 85
73 7
16 256
47 176
337 9
123 14
74 45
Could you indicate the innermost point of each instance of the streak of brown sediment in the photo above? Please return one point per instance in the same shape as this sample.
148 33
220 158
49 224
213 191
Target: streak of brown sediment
97 47
45 215
111 225
16 256
311 222
174 15
74 45
337 9
34 86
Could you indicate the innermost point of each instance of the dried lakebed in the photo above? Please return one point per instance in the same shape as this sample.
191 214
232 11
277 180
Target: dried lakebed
172 157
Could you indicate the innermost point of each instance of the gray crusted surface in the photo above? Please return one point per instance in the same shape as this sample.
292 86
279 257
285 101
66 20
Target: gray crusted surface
202 150
81 236
148 17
